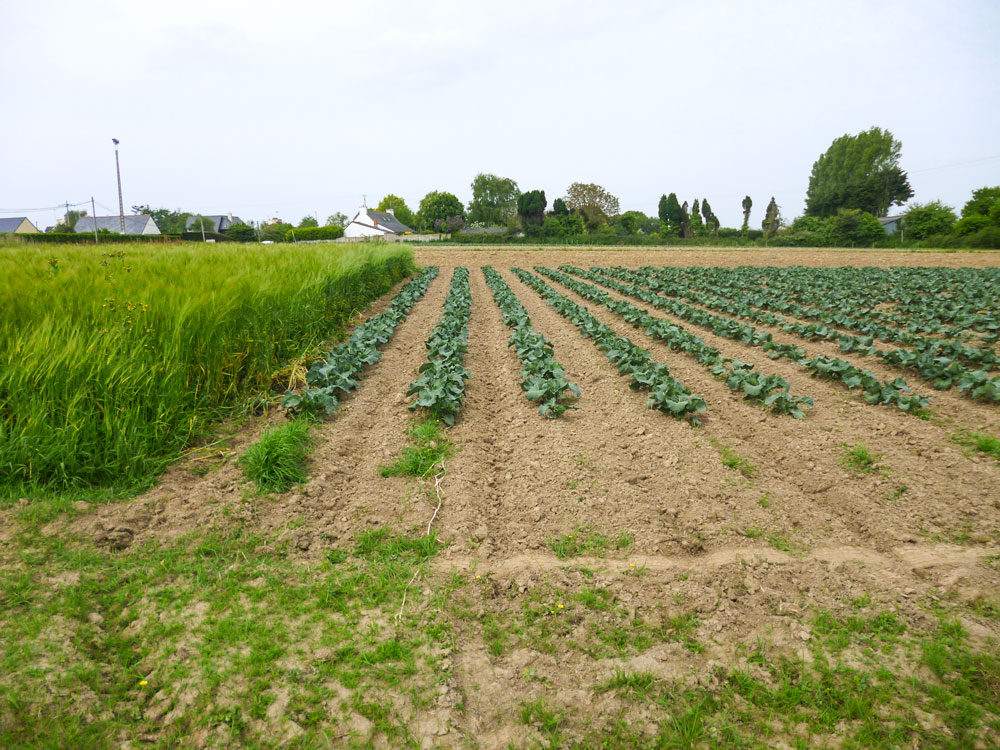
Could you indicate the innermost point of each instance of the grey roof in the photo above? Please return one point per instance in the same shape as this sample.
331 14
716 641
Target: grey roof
135 224
388 221
883 220
11 224
220 221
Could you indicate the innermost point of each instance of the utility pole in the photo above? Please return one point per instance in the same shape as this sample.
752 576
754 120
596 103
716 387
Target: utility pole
95 218
121 204
66 218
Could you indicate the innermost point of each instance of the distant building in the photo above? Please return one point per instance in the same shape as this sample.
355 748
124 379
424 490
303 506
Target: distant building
371 223
17 225
890 223
137 224
221 222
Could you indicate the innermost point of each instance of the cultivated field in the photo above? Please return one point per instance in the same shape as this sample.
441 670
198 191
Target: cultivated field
735 567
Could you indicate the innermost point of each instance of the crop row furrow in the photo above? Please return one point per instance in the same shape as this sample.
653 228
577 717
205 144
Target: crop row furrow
441 385
543 379
771 390
941 371
666 393
875 392
342 369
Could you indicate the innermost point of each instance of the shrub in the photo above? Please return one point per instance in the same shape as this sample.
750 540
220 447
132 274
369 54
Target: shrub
277 460
304 234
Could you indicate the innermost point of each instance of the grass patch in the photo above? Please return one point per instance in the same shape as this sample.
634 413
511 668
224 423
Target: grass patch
859 460
979 441
733 461
430 447
586 541
277 461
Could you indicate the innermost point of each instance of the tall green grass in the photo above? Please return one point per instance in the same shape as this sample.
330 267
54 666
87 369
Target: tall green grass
112 359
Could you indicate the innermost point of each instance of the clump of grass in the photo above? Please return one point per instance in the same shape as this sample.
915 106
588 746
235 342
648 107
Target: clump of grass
859 460
732 461
587 541
635 685
979 441
430 447
277 460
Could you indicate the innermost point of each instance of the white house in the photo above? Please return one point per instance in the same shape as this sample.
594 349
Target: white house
138 224
371 223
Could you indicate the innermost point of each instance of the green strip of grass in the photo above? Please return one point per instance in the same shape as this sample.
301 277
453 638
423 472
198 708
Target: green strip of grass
277 461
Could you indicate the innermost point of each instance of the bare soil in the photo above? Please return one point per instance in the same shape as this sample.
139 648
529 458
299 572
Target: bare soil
752 554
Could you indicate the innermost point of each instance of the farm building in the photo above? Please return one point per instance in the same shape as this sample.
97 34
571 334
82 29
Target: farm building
890 223
371 223
17 225
137 224
221 222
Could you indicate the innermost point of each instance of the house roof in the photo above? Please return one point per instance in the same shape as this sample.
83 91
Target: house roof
388 222
220 221
12 223
135 224
883 220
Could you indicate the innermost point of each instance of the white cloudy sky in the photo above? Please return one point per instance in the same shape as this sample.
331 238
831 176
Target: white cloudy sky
294 108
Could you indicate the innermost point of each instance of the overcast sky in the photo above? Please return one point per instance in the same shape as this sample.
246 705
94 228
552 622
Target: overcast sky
295 108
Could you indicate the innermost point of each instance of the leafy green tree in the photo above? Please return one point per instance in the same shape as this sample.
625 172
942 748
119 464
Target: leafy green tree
494 200
671 214
980 204
399 209
586 197
853 227
772 219
697 225
308 221
923 220
274 232
712 222
747 205
240 232
202 222
559 207
169 222
437 206
69 223
858 171
339 220
531 208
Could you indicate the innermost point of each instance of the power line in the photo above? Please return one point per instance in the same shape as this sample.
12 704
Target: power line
957 164
41 208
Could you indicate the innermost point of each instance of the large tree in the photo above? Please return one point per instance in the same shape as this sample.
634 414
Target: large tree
712 222
531 208
772 219
338 220
586 197
494 200
858 171
697 225
671 214
308 221
747 205
437 206
399 209
923 220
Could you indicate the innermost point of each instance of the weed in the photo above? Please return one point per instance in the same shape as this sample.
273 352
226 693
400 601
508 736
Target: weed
634 685
732 461
277 460
894 495
859 460
765 501
586 541
430 447
979 441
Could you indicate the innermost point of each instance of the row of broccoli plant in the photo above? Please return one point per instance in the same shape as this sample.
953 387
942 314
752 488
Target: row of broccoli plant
342 370
771 390
936 361
543 379
665 392
441 385
875 391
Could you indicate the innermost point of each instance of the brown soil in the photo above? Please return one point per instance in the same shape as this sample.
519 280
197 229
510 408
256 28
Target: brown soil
751 555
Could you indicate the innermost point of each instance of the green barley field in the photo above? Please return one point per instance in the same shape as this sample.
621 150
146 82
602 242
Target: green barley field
114 358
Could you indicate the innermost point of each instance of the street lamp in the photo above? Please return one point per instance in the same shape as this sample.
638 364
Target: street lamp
121 203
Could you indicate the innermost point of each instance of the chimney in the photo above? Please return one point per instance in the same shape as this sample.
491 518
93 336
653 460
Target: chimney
390 212
230 218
